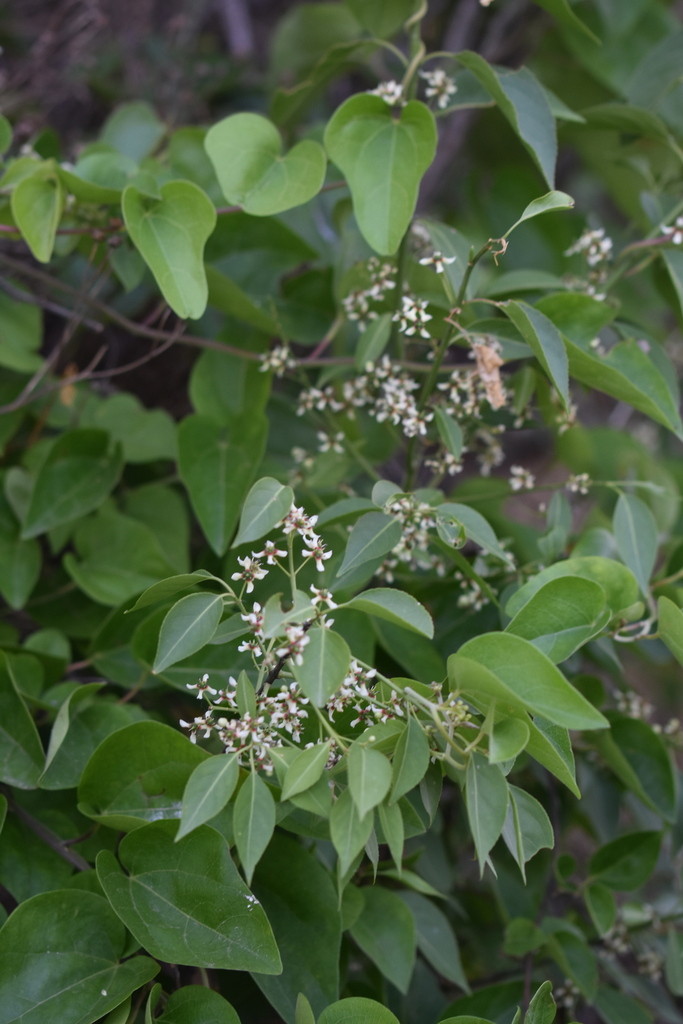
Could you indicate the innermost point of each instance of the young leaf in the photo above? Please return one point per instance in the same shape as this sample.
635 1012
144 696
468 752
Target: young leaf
542 1007
394 606
349 832
21 752
187 627
476 527
544 204
267 503
305 770
562 616
508 738
369 776
373 341
303 1014
523 101
411 760
207 791
635 531
168 587
450 432
385 931
486 799
544 339
601 906
217 464
246 152
527 827
253 821
185 902
383 159
374 535
391 823
170 234
627 862
37 205
326 661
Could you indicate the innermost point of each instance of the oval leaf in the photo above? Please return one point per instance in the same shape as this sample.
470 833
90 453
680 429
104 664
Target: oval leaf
253 822
374 535
635 532
187 627
325 663
267 503
208 790
394 606
369 776
170 234
37 205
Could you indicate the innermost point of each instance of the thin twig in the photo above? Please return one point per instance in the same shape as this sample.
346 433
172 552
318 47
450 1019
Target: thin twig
49 837
51 307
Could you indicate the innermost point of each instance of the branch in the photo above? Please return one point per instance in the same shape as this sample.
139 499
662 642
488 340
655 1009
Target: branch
49 837
51 307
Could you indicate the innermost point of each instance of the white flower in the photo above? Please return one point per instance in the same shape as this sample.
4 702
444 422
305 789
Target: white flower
437 260
390 92
331 442
675 232
202 687
251 570
521 479
271 552
412 317
297 639
255 619
578 483
297 520
596 246
440 85
279 359
316 551
322 595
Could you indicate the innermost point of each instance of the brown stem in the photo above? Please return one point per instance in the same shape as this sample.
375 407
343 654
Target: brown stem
49 837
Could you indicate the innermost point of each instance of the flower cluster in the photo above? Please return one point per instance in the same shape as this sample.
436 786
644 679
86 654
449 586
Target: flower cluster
674 231
633 705
356 304
471 595
596 246
359 690
578 483
412 317
416 519
521 479
391 92
279 360
440 86
251 736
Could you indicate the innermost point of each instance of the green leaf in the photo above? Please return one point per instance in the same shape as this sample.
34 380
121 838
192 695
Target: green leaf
638 756
168 587
383 159
246 152
75 478
436 939
5 134
217 464
635 532
208 790
170 234
21 752
394 606
355 1010
523 101
411 760
369 776
20 563
326 660
37 205
551 746
61 724
527 827
542 1007
253 821
508 738
265 506
194 1004
133 129
21 335
305 770
385 931
138 774
90 722
618 582
670 627
373 341
374 535
187 627
618 1008
348 831
673 968
476 527
275 617
79 944
450 432
486 799
573 955
544 339
303 1014
300 900
562 616
518 673
383 18
544 204
562 12
185 902
601 906
627 862
393 832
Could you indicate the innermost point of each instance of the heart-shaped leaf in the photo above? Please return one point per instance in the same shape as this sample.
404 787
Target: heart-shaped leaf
246 152
37 204
170 234
383 159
